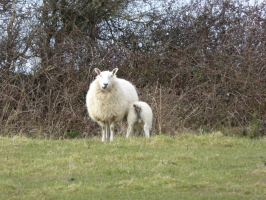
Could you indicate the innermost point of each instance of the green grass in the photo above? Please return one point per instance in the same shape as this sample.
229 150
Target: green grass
185 167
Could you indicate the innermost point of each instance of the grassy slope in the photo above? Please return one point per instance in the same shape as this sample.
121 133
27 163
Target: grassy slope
186 167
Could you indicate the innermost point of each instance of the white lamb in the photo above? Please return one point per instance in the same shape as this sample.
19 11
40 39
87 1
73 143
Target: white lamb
108 100
139 118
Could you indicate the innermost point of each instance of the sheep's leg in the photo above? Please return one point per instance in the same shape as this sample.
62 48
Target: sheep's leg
104 132
147 130
129 131
107 131
112 128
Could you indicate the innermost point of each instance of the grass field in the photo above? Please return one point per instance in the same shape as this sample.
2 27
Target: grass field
209 166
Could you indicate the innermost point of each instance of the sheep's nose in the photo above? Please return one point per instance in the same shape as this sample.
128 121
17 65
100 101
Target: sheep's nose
105 85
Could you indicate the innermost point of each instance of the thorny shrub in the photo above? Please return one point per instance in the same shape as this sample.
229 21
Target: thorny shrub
200 66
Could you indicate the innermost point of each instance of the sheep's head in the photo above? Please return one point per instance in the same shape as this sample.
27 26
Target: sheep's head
106 78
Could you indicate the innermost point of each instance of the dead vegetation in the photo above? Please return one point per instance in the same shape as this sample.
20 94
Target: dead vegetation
200 66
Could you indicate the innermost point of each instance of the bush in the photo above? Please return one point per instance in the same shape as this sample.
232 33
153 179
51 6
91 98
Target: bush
200 66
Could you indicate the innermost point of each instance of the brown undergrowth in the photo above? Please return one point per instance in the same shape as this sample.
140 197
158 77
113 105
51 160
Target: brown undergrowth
201 68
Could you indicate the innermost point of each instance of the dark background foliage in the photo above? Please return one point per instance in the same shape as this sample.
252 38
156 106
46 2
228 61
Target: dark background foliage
201 66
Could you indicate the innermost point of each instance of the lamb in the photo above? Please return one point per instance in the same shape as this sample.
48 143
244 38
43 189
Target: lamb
108 100
139 117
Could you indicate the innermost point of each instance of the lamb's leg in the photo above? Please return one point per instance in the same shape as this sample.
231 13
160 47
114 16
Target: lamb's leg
129 131
112 128
147 130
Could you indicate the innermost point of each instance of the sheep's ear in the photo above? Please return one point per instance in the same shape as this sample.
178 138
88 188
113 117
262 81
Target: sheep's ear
97 71
114 71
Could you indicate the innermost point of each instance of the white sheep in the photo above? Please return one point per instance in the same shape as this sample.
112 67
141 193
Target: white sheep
139 118
108 100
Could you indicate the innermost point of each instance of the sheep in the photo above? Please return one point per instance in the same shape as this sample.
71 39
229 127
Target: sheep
108 100
139 117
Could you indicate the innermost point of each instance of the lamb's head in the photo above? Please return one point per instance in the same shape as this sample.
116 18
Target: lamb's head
106 78
137 109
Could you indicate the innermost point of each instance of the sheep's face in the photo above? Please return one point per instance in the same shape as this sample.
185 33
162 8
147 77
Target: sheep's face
106 78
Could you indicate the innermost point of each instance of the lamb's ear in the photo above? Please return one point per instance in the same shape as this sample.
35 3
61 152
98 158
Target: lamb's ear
97 71
114 71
